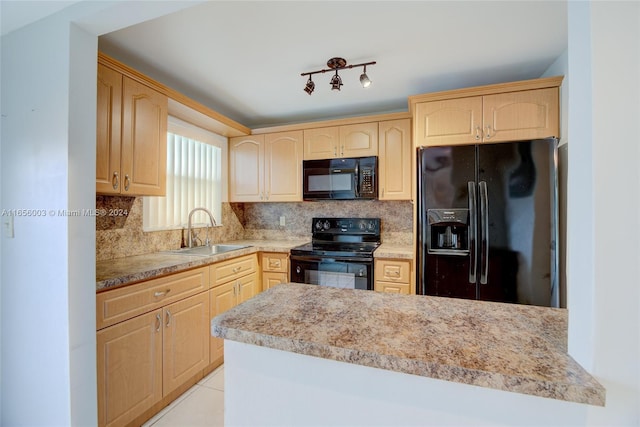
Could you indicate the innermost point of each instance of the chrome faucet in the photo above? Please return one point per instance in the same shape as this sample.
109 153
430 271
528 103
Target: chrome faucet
213 224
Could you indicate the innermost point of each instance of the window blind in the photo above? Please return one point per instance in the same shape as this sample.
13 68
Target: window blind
194 179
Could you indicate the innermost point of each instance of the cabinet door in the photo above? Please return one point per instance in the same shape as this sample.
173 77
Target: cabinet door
321 143
359 140
394 161
448 122
108 179
222 298
144 140
248 287
270 279
283 167
129 359
246 173
522 115
185 340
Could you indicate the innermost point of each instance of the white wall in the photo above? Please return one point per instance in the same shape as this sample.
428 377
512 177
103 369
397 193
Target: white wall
48 155
615 132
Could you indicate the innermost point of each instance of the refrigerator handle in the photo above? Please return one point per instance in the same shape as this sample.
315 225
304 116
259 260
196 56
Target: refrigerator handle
473 231
484 232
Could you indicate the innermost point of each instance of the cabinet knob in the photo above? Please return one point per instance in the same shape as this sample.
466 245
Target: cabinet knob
161 293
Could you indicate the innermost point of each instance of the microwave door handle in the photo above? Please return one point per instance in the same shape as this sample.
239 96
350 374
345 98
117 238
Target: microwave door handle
356 180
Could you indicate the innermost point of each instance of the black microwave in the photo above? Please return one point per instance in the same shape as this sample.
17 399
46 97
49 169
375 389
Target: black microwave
340 179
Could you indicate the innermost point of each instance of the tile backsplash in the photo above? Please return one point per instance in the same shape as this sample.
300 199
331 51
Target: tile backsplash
122 236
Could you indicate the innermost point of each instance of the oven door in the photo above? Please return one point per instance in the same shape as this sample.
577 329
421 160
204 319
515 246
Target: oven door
336 272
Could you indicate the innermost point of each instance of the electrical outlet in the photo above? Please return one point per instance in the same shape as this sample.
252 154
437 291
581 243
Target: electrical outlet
282 221
7 226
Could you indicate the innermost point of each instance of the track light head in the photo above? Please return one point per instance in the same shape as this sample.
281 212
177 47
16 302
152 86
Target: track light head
364 79
310 86
336 82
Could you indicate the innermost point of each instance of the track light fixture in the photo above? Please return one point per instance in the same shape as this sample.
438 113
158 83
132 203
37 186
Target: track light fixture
338 64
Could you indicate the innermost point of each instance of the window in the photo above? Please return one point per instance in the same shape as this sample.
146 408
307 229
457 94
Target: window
196 168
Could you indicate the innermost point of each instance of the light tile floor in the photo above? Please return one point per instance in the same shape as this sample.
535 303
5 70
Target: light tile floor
201 405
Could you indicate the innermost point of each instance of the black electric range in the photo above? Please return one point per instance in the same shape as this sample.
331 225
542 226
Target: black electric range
340 253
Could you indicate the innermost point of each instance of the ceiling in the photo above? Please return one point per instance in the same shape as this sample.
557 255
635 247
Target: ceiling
243 59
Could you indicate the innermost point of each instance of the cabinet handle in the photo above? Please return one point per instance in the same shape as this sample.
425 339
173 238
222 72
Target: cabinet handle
168 319
115 181
127 181
342 151
393 273
478 132
236 269
267 195
261 195
488 131
274 264
161 293
158 322
335 151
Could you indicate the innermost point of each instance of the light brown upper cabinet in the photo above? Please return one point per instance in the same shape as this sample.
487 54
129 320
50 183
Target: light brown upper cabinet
356 140
394 160
266 168
495 113
131 138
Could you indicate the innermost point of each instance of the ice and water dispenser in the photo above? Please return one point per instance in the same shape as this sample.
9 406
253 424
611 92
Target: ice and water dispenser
448 231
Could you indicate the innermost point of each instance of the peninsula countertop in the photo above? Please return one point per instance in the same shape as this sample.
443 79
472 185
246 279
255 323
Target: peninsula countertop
515 348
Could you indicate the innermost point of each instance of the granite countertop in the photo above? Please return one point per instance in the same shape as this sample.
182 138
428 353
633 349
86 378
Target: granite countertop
124 271
517 348
390 250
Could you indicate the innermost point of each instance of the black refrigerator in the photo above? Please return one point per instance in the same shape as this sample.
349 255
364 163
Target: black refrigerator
487 222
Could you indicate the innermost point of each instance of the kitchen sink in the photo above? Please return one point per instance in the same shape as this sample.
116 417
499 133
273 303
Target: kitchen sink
208 250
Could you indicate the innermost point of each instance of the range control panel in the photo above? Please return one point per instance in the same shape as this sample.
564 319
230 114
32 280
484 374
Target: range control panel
346 225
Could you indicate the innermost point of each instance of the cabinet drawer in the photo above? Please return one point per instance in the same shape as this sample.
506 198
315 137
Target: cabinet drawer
232 269
124 303
276 262
395 271
393 288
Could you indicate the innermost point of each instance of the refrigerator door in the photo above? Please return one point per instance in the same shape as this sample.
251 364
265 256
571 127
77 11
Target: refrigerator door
517 234
446 245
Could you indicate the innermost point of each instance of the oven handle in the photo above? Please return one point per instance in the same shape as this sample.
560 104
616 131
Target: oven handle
329 259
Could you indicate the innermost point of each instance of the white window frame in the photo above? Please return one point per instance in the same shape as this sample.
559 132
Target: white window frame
200 219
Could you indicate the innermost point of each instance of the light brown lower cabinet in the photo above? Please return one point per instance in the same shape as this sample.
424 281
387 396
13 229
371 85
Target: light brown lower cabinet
152 342
394 276
275 268
232 282
129 368
143 359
